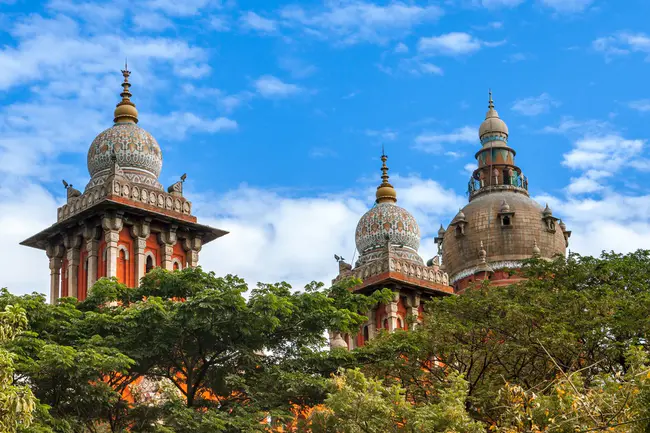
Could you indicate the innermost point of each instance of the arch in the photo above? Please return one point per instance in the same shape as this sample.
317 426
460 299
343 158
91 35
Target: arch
399 323
121 248
122 265
176 264
149 262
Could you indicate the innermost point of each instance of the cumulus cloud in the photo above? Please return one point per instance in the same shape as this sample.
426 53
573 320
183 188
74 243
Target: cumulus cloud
452 44
356 21
434 142
269 86
642 105
622 43
568 6
535 105
252 21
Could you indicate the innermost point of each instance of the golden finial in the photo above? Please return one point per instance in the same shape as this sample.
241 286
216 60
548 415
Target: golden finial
385 192
125 112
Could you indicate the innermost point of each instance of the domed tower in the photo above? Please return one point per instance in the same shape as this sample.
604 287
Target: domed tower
387 240
501 225
124 223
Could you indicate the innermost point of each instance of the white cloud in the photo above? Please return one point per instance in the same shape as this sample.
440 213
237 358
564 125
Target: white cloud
430 68
252 21
220 23
176 125
272 87
401 48
501 3
623 43
642 105
355 21
535 105
296 67
180 8
610 152
384 134
434 142
452 44
152 21
568 6
569 125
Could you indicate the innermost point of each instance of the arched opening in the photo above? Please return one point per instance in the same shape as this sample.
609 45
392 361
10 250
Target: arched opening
385 323
121 266
148 264
175 266
506 220
459 231
366 333
399 323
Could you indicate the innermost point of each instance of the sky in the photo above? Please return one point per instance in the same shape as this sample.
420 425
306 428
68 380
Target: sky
278 111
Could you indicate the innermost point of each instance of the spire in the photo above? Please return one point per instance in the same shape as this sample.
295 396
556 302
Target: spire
385 191
125 112
490 102
492 112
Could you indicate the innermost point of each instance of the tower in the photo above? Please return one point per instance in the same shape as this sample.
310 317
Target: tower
501 225
124 223
387 239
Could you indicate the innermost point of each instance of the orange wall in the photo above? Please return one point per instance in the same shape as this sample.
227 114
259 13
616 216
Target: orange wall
153 247
126 267
64 278
179 254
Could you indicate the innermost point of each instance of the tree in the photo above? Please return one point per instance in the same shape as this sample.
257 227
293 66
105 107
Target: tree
580 314
361 405
17 402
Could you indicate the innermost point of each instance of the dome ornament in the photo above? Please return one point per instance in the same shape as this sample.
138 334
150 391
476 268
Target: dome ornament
125 111
385 191
536 251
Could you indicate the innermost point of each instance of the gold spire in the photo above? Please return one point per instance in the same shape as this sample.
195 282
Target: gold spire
125 112
385 192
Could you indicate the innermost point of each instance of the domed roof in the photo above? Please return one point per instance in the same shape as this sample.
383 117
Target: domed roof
503 244
387 222
492 125
134 148
136 151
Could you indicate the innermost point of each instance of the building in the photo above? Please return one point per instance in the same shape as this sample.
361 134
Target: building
487 240
501 225
124 223
387 239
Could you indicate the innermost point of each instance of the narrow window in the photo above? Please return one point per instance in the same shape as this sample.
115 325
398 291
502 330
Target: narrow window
175 266
366 333
399 323
149 264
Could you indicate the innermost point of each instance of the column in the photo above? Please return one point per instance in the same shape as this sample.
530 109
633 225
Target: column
72 243
192 247
391 312
140 233
91 235
412 309
112 225
55 254
372 324
167 240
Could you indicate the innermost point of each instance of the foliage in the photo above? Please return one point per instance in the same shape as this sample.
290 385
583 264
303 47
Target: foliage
17 402
361 405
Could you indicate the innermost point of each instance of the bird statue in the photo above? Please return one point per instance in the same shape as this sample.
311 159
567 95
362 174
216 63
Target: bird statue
65 184
183 177
338 258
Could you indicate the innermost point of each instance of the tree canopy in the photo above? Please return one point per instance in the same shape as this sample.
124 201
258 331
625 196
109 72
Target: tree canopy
565 350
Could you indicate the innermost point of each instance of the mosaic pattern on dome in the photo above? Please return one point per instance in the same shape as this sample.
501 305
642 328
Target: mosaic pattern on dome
134 148
386 219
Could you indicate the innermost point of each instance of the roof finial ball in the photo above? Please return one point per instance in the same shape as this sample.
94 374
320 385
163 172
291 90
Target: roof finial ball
125 112
385 191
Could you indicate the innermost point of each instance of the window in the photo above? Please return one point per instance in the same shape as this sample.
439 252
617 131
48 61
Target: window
149 264
121 266
175 266
505 221
399 323
385 323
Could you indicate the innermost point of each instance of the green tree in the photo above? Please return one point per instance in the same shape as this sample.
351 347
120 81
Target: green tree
361 405
17 402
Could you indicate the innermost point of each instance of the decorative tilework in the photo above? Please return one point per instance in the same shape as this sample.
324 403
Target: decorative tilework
387 221
135 149
489 138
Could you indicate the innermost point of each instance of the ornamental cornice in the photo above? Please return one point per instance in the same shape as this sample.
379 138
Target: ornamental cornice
481 267
405 267
125 190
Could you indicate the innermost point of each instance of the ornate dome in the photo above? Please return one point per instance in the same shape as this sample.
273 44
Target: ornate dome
136 151
504 244
492 125
387 222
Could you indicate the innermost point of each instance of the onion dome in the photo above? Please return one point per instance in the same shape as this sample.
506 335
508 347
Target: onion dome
337 342
441 231
135 150
547 211
505 207
387 223
493 125
460 216
562 226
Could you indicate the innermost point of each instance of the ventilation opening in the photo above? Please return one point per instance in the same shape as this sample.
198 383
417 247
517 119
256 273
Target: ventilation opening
459 231
506 221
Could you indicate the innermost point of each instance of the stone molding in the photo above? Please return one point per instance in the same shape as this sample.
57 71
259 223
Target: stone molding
125 189
481 268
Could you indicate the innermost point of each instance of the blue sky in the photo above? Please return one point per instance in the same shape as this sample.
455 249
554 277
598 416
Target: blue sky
278 110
